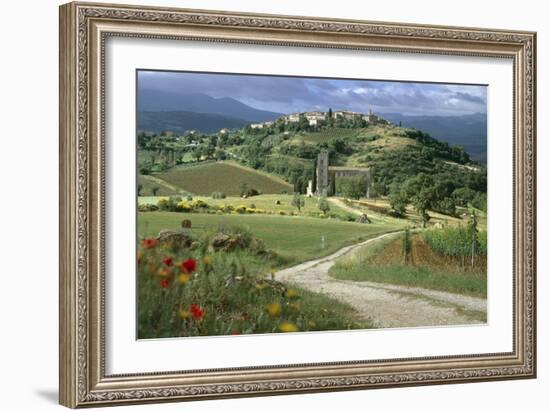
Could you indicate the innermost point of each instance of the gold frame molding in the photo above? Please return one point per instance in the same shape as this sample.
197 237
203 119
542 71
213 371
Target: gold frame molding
84 27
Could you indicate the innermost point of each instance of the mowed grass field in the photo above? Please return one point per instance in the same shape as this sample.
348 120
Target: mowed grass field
266 202
295 239
204 179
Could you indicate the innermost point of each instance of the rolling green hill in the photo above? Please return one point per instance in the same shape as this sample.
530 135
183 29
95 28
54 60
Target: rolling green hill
281 157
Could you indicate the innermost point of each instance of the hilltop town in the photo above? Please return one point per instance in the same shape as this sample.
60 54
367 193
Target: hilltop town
317 118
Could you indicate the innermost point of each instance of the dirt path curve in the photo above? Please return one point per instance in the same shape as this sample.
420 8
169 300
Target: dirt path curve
341 204
388 306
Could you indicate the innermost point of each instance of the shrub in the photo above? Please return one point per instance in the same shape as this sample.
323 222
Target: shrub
250 192
446 206
226 208
398 202
324 205
144 170
163 204
169 204
183 207
147 207
241 209
480 201
196 204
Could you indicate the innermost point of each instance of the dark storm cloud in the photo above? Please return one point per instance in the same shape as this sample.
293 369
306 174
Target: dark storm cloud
288 94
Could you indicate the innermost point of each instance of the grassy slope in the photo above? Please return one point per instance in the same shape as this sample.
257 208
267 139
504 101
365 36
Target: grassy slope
361 267
222 176
233 296
414 218
148 182
295 239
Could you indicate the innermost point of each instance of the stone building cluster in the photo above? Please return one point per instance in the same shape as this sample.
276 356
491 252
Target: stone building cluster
316 117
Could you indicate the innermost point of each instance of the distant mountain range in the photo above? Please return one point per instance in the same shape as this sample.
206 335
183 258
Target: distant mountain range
468 131
161 110
182 121
155 100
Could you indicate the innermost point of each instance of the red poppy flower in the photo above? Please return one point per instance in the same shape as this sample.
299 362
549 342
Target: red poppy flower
235 332
168 261
149 242
164 283
196 311
189 265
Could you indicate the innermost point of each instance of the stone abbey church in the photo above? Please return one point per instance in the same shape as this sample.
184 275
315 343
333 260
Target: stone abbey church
326 176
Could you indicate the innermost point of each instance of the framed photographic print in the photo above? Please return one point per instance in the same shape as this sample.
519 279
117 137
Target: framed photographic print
259 204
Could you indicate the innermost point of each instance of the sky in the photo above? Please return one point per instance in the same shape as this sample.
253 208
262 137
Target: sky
298 94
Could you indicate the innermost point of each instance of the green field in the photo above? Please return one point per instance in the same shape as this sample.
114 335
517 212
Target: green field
268 202
223 176
294 239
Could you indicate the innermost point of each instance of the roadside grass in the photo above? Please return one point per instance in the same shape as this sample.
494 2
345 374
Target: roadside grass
203 179
226 294
412 276
361 266
294 239
471 315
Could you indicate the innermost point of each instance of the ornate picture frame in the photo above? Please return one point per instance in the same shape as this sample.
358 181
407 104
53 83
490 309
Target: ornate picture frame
84 29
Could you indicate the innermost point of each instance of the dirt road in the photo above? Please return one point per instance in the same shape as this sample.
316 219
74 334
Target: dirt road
388 306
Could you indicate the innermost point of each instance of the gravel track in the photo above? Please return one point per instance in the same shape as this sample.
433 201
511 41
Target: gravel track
386 305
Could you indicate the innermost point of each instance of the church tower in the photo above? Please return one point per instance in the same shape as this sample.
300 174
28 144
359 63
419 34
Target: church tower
322 173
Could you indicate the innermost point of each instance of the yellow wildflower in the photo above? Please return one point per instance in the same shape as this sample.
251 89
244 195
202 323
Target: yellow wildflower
291 293
287 327
207 260
273 309
183 314
261 285
163 272
184 277
295 306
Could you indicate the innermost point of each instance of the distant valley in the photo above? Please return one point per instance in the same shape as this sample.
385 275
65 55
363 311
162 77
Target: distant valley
468 131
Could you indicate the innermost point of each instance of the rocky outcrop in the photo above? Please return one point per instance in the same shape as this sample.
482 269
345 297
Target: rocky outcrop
175 239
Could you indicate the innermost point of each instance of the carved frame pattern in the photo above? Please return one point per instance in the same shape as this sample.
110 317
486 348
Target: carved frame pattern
82 378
